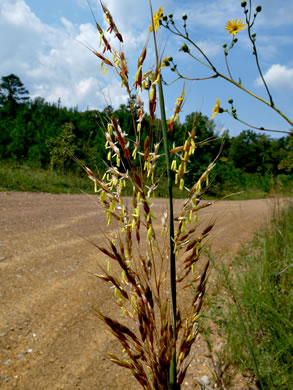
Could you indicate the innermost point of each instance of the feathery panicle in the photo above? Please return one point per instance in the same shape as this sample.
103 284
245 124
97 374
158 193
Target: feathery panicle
136 256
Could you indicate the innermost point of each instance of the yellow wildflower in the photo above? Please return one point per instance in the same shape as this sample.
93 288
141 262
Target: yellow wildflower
234 26
156 19
165 62
216 109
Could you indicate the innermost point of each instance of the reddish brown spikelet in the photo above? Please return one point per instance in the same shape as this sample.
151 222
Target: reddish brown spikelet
129 274
146 148
104 59
142 56
177 149
106 43
114 281
121 139
112 24
123 363
120 329
107 252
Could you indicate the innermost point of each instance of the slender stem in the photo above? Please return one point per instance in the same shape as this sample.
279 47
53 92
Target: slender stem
256 97
256 56
193 78
197 59
171 235
261 128
203 54
249 12
179 33
227 65
173 365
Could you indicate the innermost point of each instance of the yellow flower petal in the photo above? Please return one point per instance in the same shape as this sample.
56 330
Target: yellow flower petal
234 26
216 109
156 19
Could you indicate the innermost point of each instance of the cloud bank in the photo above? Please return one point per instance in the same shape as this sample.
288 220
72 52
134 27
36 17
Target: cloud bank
278 76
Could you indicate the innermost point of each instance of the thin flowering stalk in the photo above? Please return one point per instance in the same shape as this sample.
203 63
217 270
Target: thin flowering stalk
252 40
256 97
173 366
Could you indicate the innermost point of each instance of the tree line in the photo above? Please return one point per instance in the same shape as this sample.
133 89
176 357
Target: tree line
42 134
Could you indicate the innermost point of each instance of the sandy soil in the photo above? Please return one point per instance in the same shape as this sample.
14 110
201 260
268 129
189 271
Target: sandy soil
50 337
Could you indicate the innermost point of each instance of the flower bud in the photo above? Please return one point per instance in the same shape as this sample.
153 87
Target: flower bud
258 8
243 4
184 48
221 110
235 40
170 59
165 18
224 45
253 35
170 16
230 101
234 110
173 69
184 16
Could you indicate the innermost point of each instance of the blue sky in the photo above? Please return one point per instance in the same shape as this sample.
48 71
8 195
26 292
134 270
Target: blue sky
41 43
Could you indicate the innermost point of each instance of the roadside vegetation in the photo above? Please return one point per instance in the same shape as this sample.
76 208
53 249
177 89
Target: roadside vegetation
253 307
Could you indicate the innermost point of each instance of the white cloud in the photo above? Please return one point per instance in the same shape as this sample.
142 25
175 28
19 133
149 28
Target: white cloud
18 13
51 61
278 76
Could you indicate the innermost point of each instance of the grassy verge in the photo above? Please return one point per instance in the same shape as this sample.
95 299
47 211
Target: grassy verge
28 178
256 321
25 178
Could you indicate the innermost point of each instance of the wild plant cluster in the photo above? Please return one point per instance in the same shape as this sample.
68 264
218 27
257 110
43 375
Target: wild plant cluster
150 262
138 253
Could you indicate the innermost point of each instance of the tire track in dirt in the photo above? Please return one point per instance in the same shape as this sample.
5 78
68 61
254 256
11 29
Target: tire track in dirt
47 295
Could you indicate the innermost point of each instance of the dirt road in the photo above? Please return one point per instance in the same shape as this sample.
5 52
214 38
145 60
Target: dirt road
50 337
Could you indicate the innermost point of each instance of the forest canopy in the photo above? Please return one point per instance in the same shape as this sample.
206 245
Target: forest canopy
46 135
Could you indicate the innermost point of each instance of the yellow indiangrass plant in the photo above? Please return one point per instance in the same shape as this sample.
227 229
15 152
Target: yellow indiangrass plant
140 247
234 26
